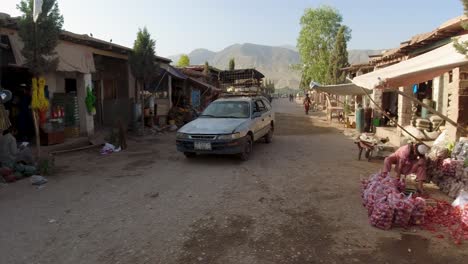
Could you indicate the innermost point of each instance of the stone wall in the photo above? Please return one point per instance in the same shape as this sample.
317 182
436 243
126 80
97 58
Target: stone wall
457 101
377 95
404 108
438 93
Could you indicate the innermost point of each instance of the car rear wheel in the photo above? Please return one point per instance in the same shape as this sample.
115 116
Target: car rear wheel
269 135
244 156
190 155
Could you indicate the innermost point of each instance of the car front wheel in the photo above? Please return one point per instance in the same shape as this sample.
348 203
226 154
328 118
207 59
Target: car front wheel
269 135
248 146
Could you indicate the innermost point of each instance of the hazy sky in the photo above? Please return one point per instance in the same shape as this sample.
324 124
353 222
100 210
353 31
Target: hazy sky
179 26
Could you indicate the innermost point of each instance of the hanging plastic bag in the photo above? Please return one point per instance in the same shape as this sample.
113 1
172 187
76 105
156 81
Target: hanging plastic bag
461 200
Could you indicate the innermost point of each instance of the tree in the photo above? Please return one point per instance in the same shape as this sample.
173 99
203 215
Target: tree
319 28
232 64
269 86
143 63
40 38
184 61
206 69
338 59
462 47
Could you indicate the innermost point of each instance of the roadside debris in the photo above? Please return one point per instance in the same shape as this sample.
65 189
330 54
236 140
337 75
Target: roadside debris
38 180
109 149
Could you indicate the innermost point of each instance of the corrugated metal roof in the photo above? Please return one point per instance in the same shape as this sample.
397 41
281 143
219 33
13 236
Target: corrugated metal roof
175 72
450 28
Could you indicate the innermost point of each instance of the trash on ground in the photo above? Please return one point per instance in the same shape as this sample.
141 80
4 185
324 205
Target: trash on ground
109 149
38 180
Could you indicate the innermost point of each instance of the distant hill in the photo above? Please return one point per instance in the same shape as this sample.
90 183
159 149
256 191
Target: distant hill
274 62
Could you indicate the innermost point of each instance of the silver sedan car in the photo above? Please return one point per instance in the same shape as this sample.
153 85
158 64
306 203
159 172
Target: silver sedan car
228 126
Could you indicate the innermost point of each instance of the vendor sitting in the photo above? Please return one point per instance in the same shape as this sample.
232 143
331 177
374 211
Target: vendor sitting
14 158
409 159
8 148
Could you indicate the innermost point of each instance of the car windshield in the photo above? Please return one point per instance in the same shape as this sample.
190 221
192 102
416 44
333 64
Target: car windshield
228 109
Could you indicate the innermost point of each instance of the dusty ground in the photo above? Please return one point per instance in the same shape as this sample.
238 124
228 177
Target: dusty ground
296 201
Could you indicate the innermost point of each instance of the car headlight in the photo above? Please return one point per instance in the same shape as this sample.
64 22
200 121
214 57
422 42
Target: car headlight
182 135
230 136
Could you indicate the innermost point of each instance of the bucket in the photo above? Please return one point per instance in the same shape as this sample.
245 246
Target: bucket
424 111
360 120
376 122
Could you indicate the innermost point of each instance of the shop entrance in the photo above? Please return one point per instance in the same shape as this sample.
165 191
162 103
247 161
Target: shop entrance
18 81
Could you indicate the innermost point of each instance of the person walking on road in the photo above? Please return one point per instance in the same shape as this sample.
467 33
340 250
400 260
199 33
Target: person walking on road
307 103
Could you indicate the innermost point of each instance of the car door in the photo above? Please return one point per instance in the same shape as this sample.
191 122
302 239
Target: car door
269 115
260 122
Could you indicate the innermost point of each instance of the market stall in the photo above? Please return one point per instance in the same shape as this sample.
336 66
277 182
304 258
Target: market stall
388 201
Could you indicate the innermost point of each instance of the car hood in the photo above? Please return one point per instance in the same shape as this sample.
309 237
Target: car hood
212 126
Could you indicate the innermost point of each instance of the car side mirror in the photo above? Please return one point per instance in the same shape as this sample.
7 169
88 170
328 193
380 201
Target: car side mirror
256 115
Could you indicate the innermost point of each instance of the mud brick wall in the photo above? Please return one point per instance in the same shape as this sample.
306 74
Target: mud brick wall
462 97
404 108
457 99
377 95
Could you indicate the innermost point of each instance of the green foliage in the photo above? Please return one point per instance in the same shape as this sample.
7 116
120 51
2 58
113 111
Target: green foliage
206 69
184 61
465 5
269 86
143 57
338 59
90 101
40 55
232 64
319 29
46 165
347 108
462 47
450 147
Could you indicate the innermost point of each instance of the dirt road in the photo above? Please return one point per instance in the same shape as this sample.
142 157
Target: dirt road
296 201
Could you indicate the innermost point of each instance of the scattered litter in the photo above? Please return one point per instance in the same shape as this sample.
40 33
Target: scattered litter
38 180
109 148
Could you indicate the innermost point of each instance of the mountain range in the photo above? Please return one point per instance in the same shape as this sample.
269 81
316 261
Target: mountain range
274 62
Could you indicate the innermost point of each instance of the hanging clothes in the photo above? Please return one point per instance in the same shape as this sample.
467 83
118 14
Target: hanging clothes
4 120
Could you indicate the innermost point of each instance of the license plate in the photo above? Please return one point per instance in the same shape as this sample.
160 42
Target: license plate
202 145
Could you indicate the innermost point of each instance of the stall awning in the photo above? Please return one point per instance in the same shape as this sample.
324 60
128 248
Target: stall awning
16 46
72 57
416 70
175 72
341 89
209 86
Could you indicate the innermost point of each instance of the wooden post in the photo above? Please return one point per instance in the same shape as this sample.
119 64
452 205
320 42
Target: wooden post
36 130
